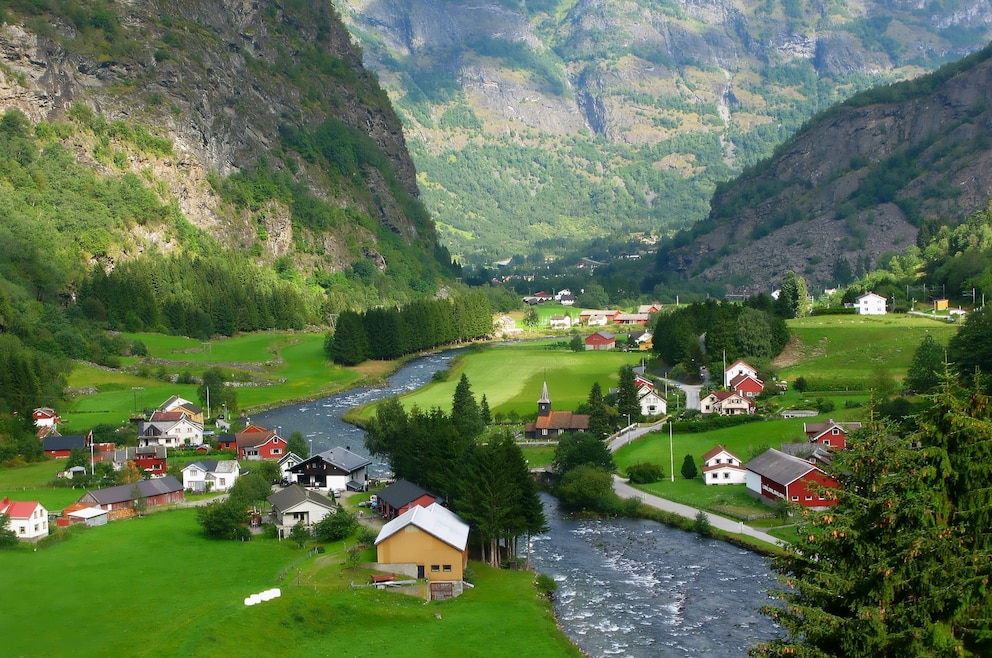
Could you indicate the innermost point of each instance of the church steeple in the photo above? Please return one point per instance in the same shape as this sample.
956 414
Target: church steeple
544 404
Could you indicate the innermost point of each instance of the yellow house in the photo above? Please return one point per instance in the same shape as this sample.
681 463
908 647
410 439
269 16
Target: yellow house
426 542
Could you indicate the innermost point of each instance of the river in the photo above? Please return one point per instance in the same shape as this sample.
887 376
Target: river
625 587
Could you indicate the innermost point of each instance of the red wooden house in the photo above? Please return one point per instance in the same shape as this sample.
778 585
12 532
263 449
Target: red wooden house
774 475
160 491
747 386
830 434
256 442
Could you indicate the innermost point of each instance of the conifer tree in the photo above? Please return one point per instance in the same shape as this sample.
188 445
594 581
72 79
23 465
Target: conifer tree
465 413
599 418
627 401
900 566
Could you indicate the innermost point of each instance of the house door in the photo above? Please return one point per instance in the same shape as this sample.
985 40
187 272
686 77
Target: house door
420 571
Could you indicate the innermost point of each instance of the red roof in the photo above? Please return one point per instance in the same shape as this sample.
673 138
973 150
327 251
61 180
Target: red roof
19 509
562 420
167 416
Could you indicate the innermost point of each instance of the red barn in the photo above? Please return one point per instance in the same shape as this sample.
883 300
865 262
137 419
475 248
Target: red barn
774 476
601 340
160 491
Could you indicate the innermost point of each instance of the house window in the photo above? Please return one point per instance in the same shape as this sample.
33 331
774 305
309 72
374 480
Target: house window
726 476
544 432
435 568
277 451
808 497
826 442
446 568
795 499
714 476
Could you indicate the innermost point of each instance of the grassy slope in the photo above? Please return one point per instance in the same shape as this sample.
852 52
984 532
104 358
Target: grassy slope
156 587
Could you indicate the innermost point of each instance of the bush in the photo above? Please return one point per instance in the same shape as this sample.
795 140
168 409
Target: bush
701 524
644 473
546 586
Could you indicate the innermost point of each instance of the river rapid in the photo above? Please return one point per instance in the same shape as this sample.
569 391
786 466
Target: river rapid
625 587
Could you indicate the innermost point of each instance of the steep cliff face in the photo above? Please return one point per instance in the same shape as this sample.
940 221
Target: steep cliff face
857 183
653 101
222 79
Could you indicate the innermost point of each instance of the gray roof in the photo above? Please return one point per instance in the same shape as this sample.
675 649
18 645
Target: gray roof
340 458
56 442
779 467
402 492
215 465
434 520
124 454
122 492
294 494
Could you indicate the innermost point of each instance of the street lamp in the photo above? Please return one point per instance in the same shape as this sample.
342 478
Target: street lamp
671 449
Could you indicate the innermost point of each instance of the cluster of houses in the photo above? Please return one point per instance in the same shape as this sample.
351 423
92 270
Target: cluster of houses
794 473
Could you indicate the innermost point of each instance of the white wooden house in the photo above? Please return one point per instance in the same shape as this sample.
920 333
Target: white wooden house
720 466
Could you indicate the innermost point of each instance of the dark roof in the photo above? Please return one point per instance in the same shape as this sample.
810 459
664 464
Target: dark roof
340 458
294 495
402 492
56 442
122 492
779 467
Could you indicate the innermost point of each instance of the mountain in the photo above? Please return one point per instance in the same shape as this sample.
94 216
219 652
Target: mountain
538 124
254 126
859 183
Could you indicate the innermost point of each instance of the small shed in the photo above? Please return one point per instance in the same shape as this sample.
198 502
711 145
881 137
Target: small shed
91 516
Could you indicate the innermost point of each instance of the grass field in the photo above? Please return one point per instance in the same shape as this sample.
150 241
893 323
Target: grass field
156 587
278 366
846 351
511 376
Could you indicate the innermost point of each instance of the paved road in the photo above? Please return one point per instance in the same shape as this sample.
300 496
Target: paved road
624 490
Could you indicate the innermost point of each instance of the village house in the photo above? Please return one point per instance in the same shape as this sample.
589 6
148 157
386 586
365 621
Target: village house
176 403
651 403
552 424
598 317
720 466
255 442
286 464
426 542
402 495
148 459
80 514
649 308
830 434
726 403
295 505
870 304
61 447
601 340
172 429
736 370
631 318
227 441
160 491
505 326
45 418
560 322
336 469
210 475
773 476
26 519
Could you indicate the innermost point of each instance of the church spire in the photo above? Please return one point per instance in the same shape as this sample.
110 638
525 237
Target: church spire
544 404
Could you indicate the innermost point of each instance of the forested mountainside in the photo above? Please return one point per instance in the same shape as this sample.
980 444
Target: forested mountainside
536 124
862 181
250 131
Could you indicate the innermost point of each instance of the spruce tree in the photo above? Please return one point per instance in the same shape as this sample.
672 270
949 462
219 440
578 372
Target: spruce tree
689 470
465 413
628 404
900 566
599 418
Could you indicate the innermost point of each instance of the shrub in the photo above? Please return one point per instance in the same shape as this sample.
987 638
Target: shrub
546 586
644 473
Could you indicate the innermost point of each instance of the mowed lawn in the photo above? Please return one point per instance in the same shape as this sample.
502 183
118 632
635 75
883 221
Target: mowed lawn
511 377
156 587
846 350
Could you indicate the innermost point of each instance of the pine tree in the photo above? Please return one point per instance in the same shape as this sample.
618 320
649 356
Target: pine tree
350 345
689 470
628 404
900 565
599 418
465 413
927 369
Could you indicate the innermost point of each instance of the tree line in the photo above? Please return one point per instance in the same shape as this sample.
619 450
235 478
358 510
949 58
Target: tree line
383 334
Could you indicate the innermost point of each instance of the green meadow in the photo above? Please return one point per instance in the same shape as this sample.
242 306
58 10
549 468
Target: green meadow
268 368
837 352
155 586
511 377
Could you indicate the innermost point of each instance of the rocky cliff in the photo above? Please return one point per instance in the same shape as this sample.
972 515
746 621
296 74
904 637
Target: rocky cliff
652 103
856 184
223 80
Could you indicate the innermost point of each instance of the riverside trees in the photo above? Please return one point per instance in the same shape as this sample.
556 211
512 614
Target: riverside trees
900 566
487 483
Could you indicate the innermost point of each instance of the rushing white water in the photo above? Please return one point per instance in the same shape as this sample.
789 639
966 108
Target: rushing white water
637 588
